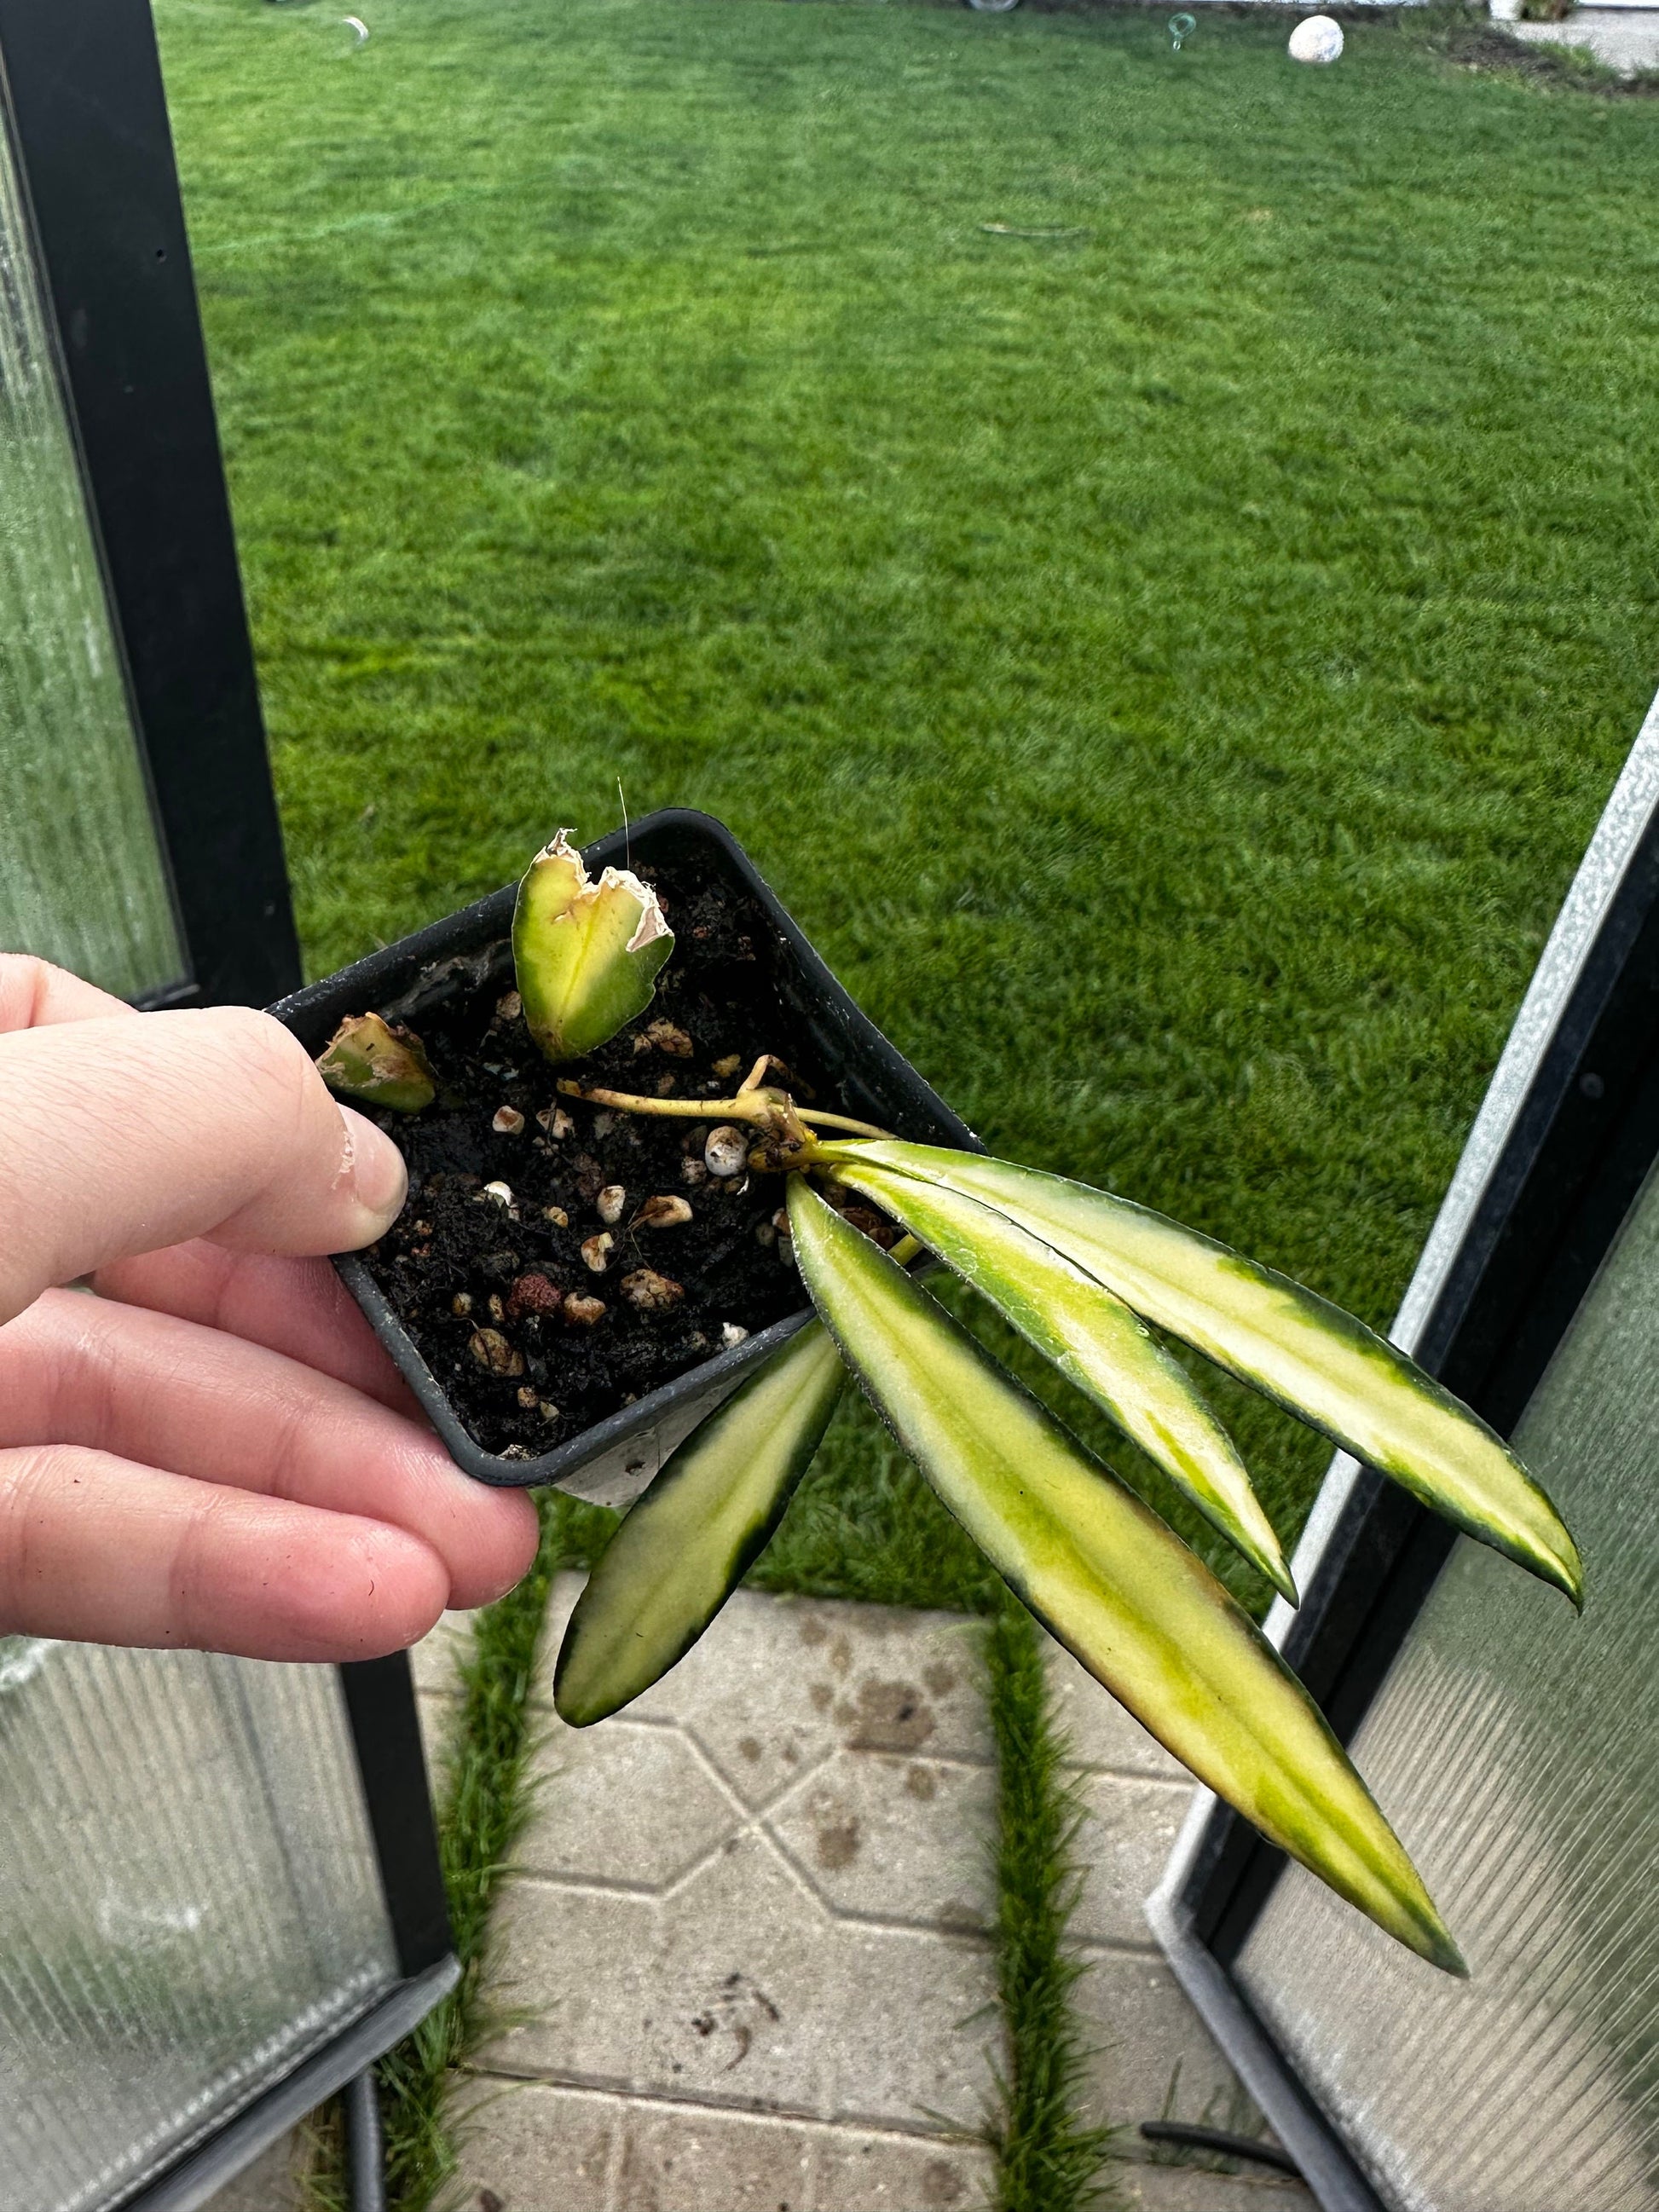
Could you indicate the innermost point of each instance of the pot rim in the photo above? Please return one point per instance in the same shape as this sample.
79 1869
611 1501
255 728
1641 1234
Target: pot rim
314 1011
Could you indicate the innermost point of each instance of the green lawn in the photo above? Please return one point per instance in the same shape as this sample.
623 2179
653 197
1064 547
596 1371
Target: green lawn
1169 651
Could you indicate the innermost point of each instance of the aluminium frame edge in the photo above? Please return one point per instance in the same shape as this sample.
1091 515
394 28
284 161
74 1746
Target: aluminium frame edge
211 2165
88 117
1613 901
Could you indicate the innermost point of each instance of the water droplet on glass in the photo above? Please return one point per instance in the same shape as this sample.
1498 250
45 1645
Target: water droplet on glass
356 23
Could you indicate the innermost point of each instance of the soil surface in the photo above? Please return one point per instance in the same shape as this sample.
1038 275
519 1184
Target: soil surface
496 1291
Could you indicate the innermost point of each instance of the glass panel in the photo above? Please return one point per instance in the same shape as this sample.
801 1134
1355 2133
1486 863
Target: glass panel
190 1904
81 876
1513 1747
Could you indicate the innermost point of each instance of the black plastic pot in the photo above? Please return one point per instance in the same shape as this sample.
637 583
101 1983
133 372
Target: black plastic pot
610 1462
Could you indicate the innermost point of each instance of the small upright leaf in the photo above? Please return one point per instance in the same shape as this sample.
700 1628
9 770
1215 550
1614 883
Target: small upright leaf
1097 1343
1317 1361
693 1536
1112 1583
586 953
367 1059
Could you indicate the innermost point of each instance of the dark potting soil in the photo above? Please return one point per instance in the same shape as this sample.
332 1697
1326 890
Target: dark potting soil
459 1262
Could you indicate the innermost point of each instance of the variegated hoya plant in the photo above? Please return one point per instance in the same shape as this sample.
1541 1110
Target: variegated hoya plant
1085 1277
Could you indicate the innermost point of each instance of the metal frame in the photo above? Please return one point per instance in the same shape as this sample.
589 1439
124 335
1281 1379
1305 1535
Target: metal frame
81 96
1567 1134
81 82
386 1733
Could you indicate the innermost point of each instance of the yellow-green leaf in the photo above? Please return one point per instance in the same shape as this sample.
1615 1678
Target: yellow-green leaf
1108 1578
693 1536
587 954
367 1059
1313 1359
1095 1342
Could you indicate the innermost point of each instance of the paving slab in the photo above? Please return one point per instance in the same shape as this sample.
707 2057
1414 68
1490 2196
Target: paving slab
1147 2188
766 1887
745 1954
545 2148
1626 38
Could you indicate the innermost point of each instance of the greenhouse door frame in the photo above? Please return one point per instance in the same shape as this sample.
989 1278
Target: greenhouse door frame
1564 1143
84 105
82 92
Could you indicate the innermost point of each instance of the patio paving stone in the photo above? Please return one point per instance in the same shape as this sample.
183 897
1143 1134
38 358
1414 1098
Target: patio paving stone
744 1957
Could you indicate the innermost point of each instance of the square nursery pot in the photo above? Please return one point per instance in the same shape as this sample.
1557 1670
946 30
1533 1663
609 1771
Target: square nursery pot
610 1461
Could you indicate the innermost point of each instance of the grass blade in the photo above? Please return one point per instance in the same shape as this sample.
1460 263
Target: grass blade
1145 1616
1095 1342
1317 1361
694 1534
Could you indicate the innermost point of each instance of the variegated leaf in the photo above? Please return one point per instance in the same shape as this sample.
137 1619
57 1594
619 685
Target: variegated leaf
692 1536
1095 1342
1313 1359
1111 1581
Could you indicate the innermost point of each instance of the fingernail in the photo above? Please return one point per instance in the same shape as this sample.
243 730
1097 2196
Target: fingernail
379 1175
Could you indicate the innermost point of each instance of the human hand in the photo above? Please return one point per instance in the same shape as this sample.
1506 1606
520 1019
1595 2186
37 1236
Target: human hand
214 1452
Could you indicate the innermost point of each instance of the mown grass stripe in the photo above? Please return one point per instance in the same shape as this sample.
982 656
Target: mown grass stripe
1049 2158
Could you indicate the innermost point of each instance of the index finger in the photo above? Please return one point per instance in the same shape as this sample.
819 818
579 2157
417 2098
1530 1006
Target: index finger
123 1134
33 993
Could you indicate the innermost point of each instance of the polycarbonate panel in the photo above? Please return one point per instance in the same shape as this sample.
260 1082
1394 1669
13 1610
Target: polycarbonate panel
189 1904
81 876
1516 1749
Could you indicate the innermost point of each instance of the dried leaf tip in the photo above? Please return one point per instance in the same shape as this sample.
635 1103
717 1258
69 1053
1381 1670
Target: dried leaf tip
586 953
367 1059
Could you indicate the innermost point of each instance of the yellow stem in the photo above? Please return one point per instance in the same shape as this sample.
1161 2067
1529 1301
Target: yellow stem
841 1121
740 1108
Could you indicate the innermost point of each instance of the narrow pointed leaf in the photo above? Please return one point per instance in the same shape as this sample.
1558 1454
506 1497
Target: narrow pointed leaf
587 954
1148 1619
695 1533
367 1059
1095 1342
1313 1359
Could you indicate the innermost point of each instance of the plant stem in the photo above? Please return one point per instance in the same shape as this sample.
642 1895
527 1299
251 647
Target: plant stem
758 1106
1048 2159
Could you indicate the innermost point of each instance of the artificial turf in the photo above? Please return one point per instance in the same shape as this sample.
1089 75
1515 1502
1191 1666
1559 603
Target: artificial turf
1152 552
